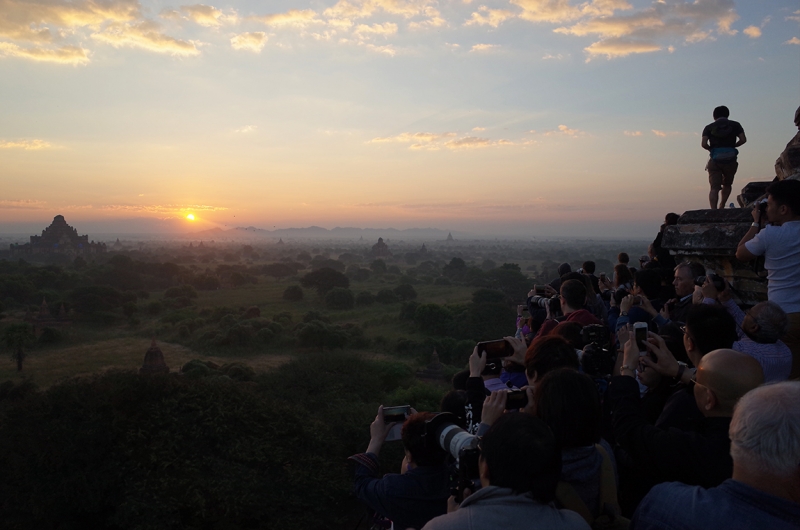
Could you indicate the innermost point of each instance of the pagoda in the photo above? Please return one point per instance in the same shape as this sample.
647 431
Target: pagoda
58 238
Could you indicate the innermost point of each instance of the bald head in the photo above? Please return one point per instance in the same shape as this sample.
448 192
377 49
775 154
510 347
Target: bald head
728 375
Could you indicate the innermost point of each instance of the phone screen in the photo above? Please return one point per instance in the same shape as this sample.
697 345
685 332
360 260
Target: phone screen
398 413
496 349
641 337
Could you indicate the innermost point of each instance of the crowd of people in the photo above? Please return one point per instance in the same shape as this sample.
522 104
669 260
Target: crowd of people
645 399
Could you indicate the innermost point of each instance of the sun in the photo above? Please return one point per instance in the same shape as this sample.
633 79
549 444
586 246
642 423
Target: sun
190 217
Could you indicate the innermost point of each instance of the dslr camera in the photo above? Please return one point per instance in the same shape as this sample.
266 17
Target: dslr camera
443 433
598 356
717 280
542 301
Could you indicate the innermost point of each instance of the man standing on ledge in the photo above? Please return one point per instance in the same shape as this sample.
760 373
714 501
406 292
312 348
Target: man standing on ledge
720 139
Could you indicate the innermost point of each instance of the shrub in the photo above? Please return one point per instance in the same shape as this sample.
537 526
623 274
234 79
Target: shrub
386 296
441 281
365 298
293 293
50 336
433 319
183 291
407 310
340 299
378 266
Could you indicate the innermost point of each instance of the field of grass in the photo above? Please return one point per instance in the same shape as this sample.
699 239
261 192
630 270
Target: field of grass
89 349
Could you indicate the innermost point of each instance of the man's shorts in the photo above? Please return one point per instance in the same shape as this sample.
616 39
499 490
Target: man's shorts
721 173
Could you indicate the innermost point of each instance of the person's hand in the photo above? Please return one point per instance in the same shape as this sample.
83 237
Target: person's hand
493 407
622 335
605 284
547 311
725 295
709 289
549 291
452 505
665 309
697 295
755 213
532 292
630 352
378 430
626 303
519 310
520 348
477 362
530 408
665 362
645 304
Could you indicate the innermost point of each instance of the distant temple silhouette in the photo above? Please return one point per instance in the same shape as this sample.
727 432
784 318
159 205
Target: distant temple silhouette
380 249
58 238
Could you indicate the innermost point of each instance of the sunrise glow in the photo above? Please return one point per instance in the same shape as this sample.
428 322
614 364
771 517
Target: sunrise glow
507 117
190 217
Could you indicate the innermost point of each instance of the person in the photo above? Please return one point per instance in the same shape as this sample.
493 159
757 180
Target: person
412 498
563 269
589 267
700 456
685 274
720 139
663 257
707 328
646 288
779 243
519 467
573 298
759 332
569 403
764 490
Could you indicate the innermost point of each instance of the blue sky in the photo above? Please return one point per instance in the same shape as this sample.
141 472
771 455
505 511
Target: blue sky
524 117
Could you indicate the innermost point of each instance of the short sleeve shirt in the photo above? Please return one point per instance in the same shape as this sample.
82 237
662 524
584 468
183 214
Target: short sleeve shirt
780 246
722 133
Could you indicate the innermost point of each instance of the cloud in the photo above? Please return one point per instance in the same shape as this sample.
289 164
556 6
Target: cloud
643 30
420 137
434 141
293 18
28 145
246 129
64 55
24 204
794 16
157 208
557 57
433 20
252 42
560 11
347 9
36 20
145 35
365 31
563 130
619 48
480 48
489 17
476 129
632 133
208 16
753 32
793 40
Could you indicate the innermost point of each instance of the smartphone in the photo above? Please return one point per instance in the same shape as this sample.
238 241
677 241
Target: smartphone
496 349
602 276
640 333
539 290
398 413
516 399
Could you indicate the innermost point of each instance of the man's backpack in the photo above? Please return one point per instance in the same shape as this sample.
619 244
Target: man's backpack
609 517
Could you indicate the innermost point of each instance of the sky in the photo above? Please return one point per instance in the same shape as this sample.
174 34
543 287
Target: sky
517 118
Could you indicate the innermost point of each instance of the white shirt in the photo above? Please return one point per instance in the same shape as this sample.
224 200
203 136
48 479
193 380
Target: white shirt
780 246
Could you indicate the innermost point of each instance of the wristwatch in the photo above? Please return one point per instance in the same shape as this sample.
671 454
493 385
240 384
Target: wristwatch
681 368
623 313
626 367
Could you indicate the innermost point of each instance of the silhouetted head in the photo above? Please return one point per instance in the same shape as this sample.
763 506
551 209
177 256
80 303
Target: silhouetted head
569 403
721 112
520 452
548 353
413 436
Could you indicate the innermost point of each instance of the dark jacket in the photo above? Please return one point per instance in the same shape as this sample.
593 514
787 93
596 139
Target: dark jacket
410 500
700 457
581 316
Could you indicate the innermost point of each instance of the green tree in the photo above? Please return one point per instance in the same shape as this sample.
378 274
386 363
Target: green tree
405 292
17 338
378 266
324 279
338 298
293 293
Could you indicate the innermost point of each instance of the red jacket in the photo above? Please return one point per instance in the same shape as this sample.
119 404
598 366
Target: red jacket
581 316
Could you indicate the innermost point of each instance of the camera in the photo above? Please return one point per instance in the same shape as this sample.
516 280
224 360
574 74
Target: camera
496 349
396 414
598 357
718 281
762 209
516 399
442 432
543 302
